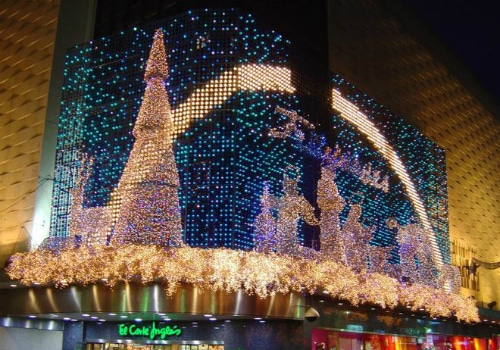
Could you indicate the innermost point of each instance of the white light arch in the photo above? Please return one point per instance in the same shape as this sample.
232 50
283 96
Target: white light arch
350 112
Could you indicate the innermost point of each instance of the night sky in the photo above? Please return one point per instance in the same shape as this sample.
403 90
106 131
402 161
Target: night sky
471 31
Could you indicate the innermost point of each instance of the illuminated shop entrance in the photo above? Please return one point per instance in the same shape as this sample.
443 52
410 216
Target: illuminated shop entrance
334 340
133 346
149 336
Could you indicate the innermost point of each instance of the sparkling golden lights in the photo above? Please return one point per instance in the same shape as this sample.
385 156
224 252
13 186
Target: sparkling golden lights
221 270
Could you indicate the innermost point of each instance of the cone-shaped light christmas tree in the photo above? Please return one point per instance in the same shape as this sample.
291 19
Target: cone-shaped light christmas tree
145 203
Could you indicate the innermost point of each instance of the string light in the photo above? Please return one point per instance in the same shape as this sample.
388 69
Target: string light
251 77
221 270
145 204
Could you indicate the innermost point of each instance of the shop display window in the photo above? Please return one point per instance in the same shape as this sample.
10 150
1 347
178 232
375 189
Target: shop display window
115 346
333 340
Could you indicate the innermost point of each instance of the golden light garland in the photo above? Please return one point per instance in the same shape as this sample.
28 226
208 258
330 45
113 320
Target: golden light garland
232 271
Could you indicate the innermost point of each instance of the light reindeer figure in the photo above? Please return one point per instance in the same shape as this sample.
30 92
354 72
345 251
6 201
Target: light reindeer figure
87 226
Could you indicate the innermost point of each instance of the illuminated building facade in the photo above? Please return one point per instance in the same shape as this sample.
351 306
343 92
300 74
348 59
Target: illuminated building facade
257 169
238 124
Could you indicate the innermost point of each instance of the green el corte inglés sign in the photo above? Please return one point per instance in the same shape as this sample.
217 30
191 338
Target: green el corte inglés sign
151 331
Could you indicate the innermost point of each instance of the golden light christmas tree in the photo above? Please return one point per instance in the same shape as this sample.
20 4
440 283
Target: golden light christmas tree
145 205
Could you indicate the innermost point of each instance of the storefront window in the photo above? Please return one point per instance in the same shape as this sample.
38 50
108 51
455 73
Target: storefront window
494 343
115 346
335 340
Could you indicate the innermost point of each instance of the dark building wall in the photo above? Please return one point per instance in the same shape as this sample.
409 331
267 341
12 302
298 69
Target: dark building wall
303 22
